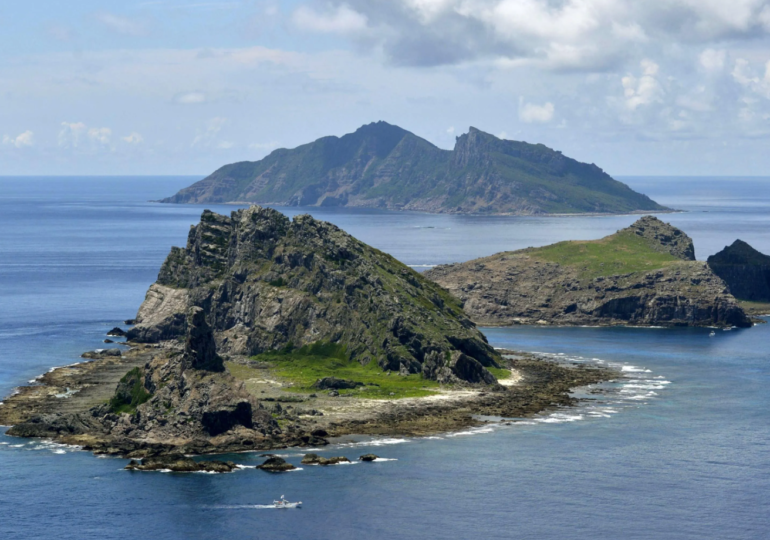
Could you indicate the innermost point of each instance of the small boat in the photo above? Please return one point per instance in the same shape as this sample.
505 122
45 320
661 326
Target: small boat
712 334
283 503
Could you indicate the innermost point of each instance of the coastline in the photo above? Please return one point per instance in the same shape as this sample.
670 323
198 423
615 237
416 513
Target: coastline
536 385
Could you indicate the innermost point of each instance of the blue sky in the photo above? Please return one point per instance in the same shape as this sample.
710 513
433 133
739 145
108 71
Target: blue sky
182 87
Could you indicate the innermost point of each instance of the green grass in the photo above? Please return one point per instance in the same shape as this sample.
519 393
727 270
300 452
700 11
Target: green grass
755 308
621 253
500 373
305 366
137 394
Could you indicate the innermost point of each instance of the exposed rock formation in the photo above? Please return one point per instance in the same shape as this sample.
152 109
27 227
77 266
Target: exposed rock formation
180 400
180 463
276 464
369 457
384 166
265 283
745 270
642 275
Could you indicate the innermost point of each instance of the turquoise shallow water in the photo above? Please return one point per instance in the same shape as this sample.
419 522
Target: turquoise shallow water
679 449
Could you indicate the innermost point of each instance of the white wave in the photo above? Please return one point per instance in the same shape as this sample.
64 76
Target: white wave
297 469
375 442
474 431
559 418
16 446
381 459
634 369
246 466
58 451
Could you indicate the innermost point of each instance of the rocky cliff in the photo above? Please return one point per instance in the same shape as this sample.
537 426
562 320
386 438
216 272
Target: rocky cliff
745 270
642 275
384 166
267 283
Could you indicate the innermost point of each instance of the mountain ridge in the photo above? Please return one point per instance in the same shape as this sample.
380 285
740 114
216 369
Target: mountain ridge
384 166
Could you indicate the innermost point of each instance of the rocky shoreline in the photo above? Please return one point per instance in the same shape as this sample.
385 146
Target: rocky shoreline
538 384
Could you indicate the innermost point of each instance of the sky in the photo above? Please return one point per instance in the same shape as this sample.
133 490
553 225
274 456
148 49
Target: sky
653 87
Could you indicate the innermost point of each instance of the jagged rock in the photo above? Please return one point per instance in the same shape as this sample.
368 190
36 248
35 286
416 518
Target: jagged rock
745 270
116 332
328 383
266 283
369 457
664 237
108 341
180 463
591 283
468 369
334 393
200 351
310 459
276 464
101 353
315 459
320 433
129 322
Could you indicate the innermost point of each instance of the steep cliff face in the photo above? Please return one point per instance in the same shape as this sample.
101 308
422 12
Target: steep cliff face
745 270
267 283
642 275
384 166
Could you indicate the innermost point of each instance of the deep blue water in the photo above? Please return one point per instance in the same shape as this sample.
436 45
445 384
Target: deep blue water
680 449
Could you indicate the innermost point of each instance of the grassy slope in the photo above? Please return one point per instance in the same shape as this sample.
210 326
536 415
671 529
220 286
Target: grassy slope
305 366
620 253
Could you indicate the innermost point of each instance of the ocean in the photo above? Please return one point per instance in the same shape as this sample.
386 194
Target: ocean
679 449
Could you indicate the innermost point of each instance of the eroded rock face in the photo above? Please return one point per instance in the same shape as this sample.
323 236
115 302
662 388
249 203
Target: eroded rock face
521 288
745 270
664 237
200 350
264 282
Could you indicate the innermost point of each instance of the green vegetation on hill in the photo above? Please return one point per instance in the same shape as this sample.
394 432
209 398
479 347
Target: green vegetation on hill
620 253
384 166
303 367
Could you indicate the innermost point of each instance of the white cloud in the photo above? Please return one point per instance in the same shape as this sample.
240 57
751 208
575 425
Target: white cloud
74 134
190 98
643 90
71 134
134 138
713 59
100 135
531 113
225 145
342 20
121 25
208 135
450 130
23 139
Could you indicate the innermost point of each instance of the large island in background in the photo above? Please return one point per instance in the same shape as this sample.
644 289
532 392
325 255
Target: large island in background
385 166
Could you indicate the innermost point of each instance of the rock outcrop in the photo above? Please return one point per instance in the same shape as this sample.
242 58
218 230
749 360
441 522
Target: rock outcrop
745 270
179 400
180 463
266 283
643 275
384 166
276 464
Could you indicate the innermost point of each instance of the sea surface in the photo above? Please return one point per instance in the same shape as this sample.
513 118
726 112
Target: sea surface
679 449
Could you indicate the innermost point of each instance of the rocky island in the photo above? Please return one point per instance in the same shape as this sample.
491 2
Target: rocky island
265 332
385 166
745 270
643 275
